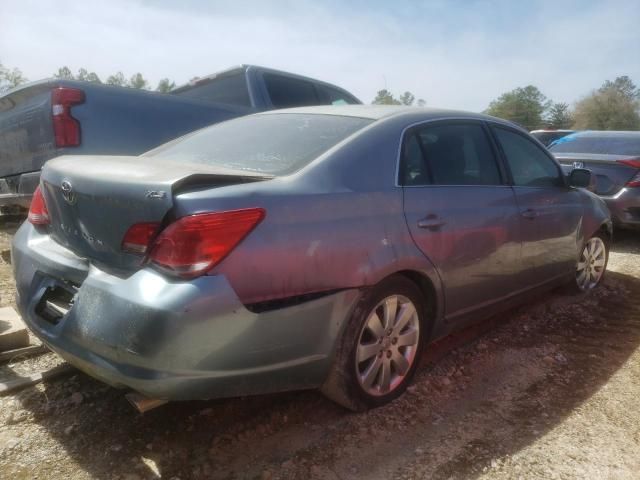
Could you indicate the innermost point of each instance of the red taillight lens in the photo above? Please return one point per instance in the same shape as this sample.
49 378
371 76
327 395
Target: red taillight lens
193 245
38 213
635 163
66 129
630 162
138 237
635 181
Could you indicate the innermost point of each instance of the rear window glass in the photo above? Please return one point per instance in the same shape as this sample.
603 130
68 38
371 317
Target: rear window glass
230 89
612 145
274 144
333 96
290 92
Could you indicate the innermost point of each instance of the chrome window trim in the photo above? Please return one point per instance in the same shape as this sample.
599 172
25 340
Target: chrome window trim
433 120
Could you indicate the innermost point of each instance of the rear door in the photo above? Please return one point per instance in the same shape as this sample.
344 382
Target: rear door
460 211
550 210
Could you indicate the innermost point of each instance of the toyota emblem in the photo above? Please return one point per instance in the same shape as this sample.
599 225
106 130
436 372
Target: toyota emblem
67 192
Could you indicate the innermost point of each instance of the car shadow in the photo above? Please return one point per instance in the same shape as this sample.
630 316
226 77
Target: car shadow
525 371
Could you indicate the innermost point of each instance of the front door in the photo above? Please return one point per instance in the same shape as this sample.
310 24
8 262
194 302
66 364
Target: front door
550 211
460 212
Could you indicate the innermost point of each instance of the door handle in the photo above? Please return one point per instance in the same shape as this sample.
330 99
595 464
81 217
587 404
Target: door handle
529 214
432 222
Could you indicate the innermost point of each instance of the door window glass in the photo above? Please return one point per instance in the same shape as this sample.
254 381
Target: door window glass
530 166
414 168
456 154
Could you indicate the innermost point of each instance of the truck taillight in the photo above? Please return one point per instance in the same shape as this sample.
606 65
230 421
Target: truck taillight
193 245
635 163
66 129
38 213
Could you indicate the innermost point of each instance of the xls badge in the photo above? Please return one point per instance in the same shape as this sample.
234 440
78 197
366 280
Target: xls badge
67 192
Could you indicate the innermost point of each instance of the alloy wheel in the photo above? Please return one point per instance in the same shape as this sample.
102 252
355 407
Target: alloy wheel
387 345
592 263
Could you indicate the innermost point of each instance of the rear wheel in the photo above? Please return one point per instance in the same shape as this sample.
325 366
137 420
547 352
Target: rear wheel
380 347
592 264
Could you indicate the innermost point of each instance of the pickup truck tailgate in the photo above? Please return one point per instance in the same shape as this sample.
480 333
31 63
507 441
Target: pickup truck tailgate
26 130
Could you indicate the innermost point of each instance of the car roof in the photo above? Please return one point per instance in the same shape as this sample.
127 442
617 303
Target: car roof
607 134
379 112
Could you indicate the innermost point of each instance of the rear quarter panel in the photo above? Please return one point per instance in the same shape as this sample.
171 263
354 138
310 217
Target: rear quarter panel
338 223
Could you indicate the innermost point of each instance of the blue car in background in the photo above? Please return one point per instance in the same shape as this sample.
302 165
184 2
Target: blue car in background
614 160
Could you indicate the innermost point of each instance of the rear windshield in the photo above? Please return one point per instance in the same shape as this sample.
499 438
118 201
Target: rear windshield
547 137
274 144
611 145
229 89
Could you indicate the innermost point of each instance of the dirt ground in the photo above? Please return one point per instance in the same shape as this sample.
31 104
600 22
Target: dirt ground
549 390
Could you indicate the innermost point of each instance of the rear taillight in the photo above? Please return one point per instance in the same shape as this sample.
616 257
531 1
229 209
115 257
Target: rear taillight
635 181
635 163
194 244
66 129
138 237
38 213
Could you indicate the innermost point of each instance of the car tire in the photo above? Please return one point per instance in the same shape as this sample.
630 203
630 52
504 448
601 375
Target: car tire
592 264
368 370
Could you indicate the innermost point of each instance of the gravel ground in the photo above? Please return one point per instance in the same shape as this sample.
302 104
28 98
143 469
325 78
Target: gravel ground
545 391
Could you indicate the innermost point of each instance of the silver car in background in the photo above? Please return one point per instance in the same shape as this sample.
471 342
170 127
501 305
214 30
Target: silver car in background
614 160
318 247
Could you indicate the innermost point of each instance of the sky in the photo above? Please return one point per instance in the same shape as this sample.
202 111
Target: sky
453 54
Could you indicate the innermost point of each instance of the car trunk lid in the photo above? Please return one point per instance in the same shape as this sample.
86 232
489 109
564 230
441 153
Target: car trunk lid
93 201
612 172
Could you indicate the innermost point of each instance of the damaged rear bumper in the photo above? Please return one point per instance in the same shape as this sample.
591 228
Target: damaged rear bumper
168 339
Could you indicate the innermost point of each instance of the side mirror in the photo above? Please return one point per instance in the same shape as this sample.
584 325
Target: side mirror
582 178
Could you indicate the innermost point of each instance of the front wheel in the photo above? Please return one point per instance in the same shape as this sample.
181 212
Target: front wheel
380 347
592 263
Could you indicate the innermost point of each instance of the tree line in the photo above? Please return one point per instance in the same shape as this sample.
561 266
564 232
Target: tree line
10 78
613 106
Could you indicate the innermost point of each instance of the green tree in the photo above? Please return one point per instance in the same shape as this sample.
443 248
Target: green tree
87 76
64 73
10 78
165 86
118 80
407 98
421 102
523 105
623 85
384 97
614 106
559 116
138 81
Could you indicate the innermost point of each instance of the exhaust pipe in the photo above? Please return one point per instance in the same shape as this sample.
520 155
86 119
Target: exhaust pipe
142 403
